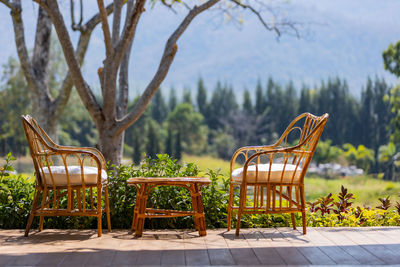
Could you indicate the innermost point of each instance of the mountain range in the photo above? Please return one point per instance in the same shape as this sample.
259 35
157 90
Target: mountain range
337 38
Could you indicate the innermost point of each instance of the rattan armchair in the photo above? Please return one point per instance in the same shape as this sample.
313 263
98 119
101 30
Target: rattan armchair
69 180
275 174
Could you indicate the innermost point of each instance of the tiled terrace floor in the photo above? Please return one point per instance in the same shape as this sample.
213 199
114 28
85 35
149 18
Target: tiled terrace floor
282 246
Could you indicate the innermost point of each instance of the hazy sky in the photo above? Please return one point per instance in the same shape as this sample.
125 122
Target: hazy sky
344 38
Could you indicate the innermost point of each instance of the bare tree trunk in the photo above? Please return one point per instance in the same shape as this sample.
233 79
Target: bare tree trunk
46 109
109 146
110 118
42 111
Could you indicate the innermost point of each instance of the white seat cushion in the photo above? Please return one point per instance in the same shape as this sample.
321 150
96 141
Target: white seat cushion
263 170
74 172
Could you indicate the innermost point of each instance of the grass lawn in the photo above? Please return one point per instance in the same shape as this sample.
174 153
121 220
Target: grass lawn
366 189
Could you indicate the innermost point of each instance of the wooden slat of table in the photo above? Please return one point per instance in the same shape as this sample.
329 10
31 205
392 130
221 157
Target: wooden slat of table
168 180
359 253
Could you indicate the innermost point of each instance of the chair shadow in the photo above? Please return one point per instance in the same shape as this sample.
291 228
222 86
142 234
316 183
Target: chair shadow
265 235
47 237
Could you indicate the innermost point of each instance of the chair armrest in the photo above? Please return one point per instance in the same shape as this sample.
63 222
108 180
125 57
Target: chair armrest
282 150
82 150
90 149
244 151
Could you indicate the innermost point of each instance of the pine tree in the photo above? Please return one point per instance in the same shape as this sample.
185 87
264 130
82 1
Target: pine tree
152 146
260 104
187 96
178 146
169 144
290 104
137 153
201 97
269 92
158 107
305 103
247 106
173 101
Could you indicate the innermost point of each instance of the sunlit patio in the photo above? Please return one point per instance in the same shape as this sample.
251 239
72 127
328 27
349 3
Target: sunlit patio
272 246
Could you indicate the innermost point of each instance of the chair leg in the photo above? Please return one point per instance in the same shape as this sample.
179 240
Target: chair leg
99 232
41 222
242 203
107 209
303 208
230 206
293 221
32 215
304 222
99 213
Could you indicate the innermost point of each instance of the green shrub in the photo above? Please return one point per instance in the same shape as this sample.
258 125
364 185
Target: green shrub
123 197
16 194
16 197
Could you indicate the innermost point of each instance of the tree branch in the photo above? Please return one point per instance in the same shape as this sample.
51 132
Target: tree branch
116 22
83 43
165 63
128 32
106 28
92 23
82 87
41 50
260 18
122 106
7 3
112 63
22 51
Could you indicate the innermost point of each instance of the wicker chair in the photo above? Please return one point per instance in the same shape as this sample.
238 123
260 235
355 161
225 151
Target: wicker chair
69 180
276 173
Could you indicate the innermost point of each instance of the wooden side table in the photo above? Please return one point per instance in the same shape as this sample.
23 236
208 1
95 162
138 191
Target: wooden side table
145 184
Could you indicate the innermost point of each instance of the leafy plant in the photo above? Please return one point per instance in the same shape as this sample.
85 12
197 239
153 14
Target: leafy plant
397 206
344 203
7 167
312 205
385 203
325 204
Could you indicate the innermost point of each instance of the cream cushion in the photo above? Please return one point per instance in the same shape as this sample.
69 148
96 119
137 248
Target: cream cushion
74 172
263 170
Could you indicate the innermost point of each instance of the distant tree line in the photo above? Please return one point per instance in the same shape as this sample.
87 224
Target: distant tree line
226 120
218 121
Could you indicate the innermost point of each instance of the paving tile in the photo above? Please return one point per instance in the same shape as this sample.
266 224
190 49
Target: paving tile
362 255
254 247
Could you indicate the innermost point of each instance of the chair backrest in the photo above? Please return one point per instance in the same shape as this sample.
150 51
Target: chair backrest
40 146
295 147
309 129
304 131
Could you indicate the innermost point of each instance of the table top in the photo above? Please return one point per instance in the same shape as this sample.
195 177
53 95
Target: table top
168 180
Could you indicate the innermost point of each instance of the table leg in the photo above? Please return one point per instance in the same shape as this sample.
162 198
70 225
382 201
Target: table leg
198 208
139 211
136 208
